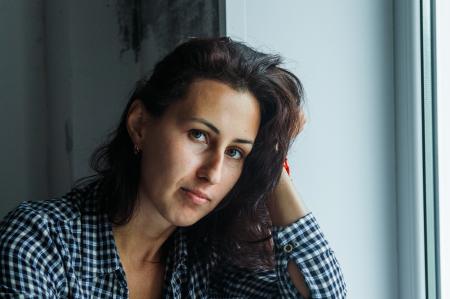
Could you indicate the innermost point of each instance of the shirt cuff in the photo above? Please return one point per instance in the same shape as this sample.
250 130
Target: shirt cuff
301 240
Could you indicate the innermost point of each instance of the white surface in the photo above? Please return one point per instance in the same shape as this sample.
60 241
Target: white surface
344 162
443 111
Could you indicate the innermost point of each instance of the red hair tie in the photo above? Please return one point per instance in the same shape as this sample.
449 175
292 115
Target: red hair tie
286 166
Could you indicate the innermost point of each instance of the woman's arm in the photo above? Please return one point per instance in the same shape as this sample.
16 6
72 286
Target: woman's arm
286 208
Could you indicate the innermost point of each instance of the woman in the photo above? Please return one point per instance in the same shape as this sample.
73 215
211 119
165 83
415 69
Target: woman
190 198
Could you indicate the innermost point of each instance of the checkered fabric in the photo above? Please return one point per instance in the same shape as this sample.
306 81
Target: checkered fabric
63 248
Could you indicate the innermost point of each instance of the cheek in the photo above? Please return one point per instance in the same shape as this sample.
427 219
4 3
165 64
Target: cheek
182 159
171 160
230 178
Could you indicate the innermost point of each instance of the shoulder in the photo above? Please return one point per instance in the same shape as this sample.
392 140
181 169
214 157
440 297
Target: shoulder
51 212
40 214
32 225
41 244
35 224
29 257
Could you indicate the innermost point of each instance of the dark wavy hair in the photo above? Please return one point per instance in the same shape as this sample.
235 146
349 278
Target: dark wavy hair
239 227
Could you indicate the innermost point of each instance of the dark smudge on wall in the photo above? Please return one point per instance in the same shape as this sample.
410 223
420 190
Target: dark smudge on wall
168 22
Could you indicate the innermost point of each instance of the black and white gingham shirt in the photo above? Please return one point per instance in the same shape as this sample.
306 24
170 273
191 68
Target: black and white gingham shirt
63 248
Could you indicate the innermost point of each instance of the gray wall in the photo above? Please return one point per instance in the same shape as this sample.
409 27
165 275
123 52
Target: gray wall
67 68
23 108
344 163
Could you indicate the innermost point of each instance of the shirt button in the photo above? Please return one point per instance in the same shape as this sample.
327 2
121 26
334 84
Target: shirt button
288 248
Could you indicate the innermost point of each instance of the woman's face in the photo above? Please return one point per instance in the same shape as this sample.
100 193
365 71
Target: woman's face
193 155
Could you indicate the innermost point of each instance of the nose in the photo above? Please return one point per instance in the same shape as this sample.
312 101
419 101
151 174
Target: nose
211 169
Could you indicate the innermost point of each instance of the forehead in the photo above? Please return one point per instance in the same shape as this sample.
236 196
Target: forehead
222 105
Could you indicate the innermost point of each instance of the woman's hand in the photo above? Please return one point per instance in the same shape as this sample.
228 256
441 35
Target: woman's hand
285 205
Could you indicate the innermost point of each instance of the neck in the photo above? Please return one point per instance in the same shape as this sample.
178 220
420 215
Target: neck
139 241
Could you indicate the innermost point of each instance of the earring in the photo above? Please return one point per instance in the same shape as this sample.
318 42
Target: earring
136 149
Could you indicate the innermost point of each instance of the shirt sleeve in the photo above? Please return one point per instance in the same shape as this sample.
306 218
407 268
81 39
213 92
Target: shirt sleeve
26 256
303 243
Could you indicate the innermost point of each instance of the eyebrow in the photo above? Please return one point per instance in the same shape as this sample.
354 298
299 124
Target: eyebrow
216 130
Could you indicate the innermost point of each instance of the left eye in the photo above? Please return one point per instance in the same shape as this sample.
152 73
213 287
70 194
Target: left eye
235 153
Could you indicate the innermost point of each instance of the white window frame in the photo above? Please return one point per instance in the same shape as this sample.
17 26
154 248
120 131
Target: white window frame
409 151
418 228
442 66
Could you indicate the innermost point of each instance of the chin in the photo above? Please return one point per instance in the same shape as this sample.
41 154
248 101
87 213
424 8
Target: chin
185 221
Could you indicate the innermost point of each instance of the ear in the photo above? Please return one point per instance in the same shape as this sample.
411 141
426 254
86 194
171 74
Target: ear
136 122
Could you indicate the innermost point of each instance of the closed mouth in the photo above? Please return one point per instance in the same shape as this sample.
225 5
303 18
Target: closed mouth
196 193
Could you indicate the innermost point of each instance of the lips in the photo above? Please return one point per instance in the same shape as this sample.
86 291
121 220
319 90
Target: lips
196 196
197 193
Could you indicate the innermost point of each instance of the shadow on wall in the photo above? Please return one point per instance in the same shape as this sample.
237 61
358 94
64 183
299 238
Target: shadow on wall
167 23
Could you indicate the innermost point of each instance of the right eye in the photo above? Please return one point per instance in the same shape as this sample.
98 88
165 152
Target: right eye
198 135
